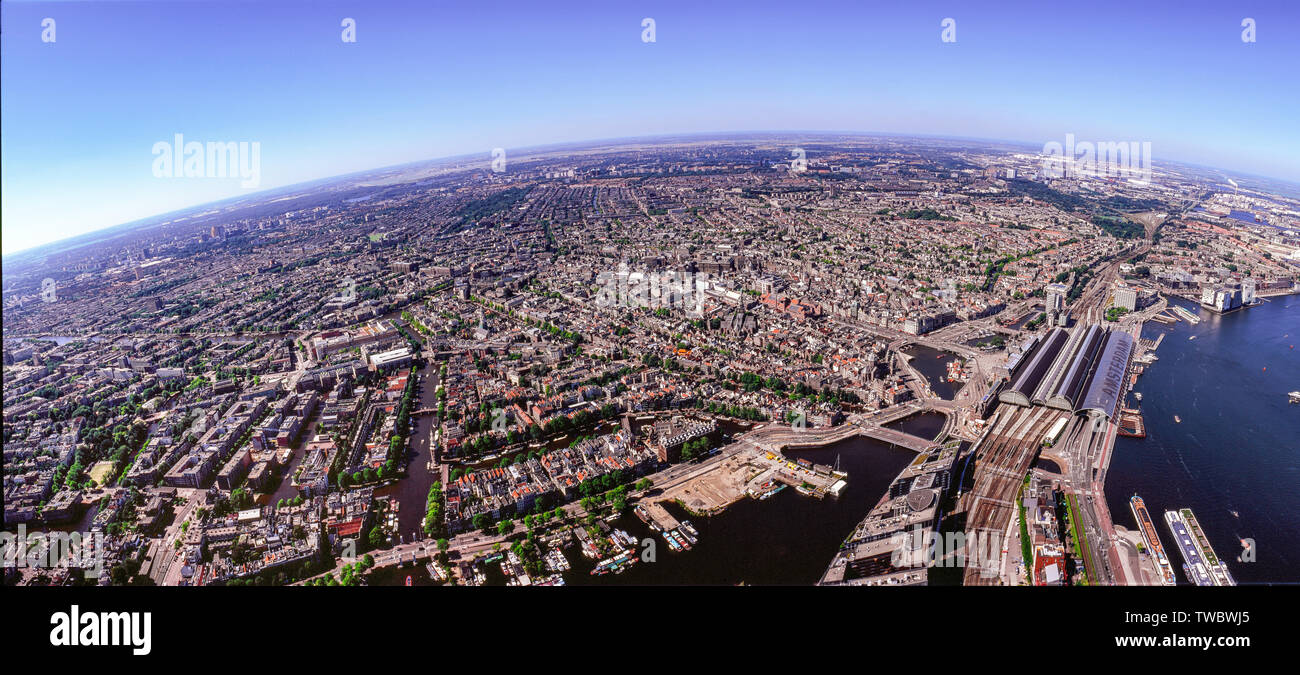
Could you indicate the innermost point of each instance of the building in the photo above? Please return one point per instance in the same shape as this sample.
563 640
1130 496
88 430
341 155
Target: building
1079 371
395 358
1126 298
1056 294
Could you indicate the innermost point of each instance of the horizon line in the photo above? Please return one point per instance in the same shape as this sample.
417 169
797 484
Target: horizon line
579 142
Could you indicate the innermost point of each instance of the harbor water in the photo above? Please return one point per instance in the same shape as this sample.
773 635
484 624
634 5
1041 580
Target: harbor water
1234 459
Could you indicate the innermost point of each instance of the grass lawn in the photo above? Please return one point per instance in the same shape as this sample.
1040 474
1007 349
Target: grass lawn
100 471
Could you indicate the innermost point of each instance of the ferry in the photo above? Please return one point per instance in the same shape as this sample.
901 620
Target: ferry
1152 540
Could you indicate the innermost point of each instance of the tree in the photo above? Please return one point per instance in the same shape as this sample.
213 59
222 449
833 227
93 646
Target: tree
505 527
376 537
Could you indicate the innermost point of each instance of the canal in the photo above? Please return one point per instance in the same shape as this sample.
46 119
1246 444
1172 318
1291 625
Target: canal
412 492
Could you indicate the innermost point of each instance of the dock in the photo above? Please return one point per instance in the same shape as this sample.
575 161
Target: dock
660 516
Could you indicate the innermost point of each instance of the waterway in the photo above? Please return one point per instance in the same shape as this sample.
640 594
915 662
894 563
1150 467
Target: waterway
413 490
788 539
785 540
1235 457
933 364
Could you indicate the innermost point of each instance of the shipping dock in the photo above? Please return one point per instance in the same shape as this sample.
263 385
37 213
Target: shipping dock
1152 539
1201 565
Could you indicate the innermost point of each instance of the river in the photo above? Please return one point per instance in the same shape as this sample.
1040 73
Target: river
1237 448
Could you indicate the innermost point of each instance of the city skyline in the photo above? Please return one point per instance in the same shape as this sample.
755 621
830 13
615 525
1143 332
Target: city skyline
89 130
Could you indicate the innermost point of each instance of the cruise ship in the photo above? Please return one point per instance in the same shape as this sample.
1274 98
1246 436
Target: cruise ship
1152 539
1200 563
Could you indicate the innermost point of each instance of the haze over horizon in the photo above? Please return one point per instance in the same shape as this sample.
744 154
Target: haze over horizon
81 115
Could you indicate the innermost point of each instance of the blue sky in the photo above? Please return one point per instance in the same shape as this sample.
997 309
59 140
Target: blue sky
79 117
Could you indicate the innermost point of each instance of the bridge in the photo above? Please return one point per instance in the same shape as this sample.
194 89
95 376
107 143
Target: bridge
899 438
779 437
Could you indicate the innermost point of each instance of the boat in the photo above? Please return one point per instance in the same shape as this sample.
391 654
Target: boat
1152 540
1178 419
689 528
1294 396
1203 566
1192 337
1137 395
408 580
